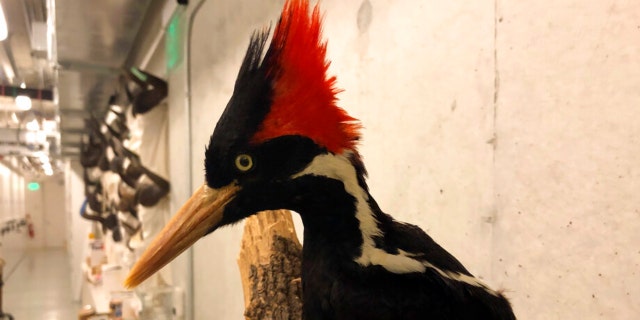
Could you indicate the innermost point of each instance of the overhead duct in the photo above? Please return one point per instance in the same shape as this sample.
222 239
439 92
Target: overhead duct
12 91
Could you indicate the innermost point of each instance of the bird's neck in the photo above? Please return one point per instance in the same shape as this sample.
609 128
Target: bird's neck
339 213
343 224
336 194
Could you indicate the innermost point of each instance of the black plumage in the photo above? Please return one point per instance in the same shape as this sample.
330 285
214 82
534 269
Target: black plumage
334 285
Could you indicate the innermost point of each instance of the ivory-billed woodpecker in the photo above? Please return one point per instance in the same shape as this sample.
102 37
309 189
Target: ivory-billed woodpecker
283 143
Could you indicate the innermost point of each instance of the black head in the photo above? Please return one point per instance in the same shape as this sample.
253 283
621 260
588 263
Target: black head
282 115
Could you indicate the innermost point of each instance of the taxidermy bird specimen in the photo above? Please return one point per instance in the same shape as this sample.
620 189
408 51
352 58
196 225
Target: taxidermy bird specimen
283 143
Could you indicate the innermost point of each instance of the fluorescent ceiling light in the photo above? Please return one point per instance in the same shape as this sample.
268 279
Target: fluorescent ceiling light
4 32
23 102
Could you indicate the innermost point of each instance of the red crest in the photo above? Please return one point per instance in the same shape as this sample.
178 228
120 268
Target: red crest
304 97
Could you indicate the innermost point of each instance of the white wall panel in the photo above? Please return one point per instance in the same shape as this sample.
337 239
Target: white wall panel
12 207
35 206
79 228
54 220
567 160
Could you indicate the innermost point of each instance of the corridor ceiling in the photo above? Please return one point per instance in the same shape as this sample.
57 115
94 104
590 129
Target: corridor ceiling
68 56
94 39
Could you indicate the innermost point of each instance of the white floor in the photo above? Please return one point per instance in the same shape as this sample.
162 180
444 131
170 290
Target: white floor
37 285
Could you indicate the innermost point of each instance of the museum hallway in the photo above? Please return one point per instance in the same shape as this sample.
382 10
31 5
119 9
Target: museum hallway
37 285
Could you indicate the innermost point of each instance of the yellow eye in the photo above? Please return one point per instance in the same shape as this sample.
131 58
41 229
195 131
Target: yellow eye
244 162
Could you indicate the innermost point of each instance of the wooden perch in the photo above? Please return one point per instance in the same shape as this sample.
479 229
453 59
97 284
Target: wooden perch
270 262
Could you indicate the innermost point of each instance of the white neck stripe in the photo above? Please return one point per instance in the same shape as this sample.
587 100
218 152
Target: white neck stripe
339 167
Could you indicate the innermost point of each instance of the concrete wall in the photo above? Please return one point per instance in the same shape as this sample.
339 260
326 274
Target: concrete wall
54 218
12 206
504 129
567 160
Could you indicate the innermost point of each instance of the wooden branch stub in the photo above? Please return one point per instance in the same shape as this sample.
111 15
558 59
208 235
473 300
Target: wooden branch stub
270 262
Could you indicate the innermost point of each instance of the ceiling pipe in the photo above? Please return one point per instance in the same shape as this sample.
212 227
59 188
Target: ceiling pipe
6 47
39 94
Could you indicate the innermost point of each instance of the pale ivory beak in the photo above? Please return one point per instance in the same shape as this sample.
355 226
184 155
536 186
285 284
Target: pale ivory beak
202 212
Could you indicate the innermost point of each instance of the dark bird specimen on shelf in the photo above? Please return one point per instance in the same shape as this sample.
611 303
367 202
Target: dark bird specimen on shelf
152 90
93 146
283 143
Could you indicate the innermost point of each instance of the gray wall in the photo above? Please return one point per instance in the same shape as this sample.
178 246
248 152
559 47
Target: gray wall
12 206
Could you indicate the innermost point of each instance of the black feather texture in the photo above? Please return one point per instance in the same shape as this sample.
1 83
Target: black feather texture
242 116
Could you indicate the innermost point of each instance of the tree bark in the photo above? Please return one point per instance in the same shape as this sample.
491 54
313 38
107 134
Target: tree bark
270 262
